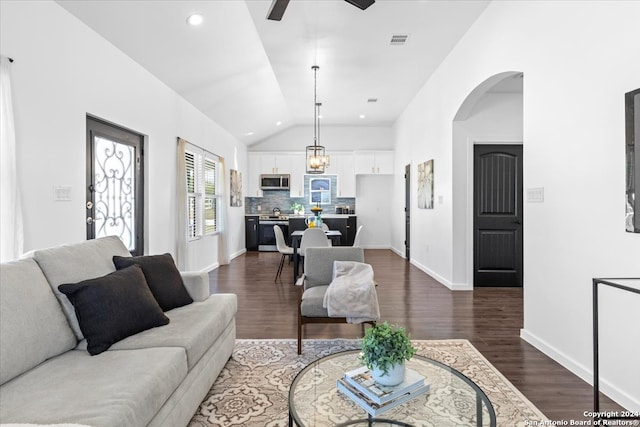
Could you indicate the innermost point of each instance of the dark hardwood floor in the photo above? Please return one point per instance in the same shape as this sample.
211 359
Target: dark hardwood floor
491 318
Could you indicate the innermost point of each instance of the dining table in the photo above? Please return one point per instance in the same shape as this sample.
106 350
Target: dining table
296 236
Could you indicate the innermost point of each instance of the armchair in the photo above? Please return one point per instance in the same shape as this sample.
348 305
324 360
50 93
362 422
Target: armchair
318 274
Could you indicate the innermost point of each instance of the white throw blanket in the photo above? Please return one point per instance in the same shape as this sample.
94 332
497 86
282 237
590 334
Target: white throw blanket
352 293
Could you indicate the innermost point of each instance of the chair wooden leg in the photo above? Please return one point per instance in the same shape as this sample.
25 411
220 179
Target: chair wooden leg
279 272
299 335
299 323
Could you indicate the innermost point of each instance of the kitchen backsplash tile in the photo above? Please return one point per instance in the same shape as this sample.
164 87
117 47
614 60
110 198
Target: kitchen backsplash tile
283 200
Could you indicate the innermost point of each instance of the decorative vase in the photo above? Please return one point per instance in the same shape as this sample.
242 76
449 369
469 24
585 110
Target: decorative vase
394 375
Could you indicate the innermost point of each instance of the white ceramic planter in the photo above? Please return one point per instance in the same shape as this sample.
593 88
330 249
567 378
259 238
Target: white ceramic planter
394 376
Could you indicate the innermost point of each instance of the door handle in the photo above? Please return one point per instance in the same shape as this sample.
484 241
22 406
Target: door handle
517 221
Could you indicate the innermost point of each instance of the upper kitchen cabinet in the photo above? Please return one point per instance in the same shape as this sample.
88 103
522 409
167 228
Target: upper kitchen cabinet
253 188
270 164
342 165
275 163
374 162
298 169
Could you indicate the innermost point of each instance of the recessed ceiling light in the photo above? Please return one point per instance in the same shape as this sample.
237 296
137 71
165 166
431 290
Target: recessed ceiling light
248 134
319 116
278 123
195 19
362 116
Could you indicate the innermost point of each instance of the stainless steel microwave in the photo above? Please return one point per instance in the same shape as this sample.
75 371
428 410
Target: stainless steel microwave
275 182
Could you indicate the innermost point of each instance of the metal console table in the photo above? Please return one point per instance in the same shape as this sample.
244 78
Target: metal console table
625 284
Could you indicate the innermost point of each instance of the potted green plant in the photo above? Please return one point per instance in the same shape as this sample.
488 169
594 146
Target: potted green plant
297 208
385 348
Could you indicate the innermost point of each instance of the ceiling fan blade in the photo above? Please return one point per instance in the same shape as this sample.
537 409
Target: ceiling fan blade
362 4
277 9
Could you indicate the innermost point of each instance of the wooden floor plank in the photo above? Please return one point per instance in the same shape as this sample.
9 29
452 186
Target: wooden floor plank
491 318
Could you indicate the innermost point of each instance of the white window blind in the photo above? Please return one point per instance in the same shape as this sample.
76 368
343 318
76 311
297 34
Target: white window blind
202 192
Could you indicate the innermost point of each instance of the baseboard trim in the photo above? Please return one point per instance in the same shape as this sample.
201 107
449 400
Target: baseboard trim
586 374
237 254
401 254
436 276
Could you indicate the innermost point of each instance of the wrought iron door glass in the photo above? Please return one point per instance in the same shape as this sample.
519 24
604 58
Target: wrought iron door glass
114 190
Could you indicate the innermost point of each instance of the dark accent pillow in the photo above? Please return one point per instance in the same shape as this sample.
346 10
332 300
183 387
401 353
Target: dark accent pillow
162 276
113 307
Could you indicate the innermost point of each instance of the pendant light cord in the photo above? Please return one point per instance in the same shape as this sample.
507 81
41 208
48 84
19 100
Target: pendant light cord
315 108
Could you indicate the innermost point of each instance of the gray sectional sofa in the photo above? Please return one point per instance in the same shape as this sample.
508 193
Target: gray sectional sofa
157 377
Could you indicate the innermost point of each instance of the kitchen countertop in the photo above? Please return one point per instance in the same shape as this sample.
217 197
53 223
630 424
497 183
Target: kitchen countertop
328 216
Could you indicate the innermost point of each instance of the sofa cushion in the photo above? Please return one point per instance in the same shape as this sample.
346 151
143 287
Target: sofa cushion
162 276
113 307
75 262
115 388
33 327
194 327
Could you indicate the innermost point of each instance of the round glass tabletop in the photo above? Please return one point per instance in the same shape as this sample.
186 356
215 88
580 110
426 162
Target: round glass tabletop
453 399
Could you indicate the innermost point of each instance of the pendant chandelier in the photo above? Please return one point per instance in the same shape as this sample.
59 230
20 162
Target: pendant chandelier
316 159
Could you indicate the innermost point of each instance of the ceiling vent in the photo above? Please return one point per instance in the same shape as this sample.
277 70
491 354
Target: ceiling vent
398 39
372 100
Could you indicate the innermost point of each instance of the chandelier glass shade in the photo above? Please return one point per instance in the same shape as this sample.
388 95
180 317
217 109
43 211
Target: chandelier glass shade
315 158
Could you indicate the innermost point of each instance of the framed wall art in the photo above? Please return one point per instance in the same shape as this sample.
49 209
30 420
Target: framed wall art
425 185
236 188
632 132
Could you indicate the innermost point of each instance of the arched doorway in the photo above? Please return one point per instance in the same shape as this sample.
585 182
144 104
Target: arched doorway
490 115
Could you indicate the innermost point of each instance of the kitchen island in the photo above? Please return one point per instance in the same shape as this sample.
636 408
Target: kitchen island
255 238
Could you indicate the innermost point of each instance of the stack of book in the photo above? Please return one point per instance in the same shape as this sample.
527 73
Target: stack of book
374 398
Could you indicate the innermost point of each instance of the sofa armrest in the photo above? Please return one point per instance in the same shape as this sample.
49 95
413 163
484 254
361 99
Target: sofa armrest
197 284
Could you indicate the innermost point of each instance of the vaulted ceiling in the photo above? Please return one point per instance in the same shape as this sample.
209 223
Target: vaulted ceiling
248 73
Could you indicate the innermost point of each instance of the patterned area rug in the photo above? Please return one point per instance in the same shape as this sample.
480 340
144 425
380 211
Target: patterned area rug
253 388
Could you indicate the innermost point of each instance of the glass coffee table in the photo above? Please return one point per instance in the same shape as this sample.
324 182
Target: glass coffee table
453 400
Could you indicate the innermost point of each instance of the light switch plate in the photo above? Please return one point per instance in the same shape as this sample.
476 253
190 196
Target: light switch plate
61 193
535 195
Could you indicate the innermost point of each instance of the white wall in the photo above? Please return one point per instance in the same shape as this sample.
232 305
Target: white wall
496 118
576 73
334 138
374 210
63 71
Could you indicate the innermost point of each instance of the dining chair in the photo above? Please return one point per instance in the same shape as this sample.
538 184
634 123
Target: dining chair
356 240
312 238
284 249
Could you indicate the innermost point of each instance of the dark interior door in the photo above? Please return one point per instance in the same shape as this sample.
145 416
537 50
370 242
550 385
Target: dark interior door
497 215
407 211
115 187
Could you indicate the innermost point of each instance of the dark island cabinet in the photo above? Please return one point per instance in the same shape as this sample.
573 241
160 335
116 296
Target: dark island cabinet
296 224
346 226
251 232
352 227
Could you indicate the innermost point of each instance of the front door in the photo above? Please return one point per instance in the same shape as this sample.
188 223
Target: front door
407 211
497 222
114 201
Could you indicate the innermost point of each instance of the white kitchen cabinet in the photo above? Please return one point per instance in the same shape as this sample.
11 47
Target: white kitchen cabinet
342 165
374 162
253 187
298 169
275 163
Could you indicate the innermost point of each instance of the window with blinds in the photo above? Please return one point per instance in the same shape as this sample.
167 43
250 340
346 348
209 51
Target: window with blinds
202 192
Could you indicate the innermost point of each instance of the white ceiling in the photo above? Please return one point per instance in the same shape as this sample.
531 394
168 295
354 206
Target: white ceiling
247 73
